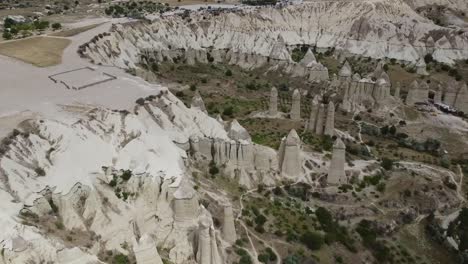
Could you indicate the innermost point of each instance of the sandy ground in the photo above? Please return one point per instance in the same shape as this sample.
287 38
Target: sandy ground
39 51
26 88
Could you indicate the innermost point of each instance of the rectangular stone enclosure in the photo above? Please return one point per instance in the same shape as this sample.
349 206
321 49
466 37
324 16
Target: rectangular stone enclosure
81 78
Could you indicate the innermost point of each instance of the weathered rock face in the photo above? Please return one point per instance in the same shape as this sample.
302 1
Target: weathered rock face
273 107
330 121
461 103
197 101
243 160
361 93
185 202
146 251
138 195
417 93
296 105
456 95
208 252
336 173
290 156
313 114
252 38
321 121
229 230
396 93
345 72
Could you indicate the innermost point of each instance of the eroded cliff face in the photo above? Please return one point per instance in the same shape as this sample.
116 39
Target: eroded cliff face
253 37
115 180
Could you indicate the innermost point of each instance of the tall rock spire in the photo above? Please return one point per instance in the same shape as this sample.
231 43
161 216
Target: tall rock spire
313 114
330 122
336 172
296 105
273 108
345 72
229 230
320 120
396 94
438 94
290 157
412 96
204 240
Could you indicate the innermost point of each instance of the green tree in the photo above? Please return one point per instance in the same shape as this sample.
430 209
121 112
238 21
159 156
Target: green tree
312 240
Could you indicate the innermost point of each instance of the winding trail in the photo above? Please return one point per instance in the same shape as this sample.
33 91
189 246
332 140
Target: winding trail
249 233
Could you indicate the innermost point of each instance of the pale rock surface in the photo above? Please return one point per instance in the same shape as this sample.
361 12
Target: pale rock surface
229 230
273 107
330 120
290 155
145 251
321 116
336 173
197 101
296 105
313 114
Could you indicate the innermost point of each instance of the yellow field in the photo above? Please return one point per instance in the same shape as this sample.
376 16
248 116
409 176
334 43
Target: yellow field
39 51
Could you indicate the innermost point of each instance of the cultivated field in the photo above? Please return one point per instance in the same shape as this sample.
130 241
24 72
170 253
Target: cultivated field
39 51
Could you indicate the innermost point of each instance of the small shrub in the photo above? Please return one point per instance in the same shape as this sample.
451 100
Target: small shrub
56 26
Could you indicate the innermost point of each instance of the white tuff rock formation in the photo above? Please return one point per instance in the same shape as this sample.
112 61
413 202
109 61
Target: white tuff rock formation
273 107
320 123
146 252
313 114
229 229
417 92
197 101
359 94
336 172
330 121
260 37
207 252
185 202
290 155
396 94
345 72
296 105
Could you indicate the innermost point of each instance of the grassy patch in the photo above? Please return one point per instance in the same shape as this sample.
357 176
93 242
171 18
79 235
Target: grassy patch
39 51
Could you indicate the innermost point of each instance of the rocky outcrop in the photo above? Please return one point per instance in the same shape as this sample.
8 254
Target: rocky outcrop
456 95
345 72
396 93
361 93
197 101
207 252
417 93
129 185
146 252
229 230
321 121
330 121
254 38
241 159
273 107
185 202
290 156
336 172
296 105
